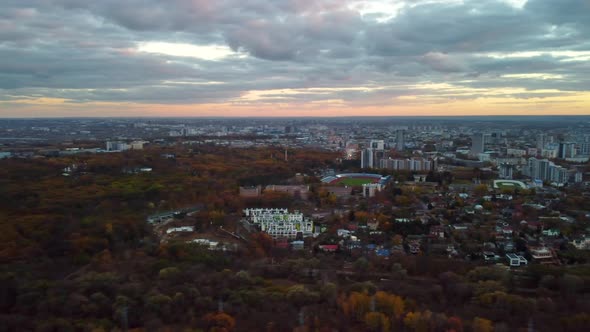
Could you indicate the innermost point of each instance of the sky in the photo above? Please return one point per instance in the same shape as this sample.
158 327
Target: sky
79 58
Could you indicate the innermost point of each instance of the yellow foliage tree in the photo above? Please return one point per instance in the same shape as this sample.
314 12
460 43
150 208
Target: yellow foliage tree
418 321
482 325
389 304
377 321
356 305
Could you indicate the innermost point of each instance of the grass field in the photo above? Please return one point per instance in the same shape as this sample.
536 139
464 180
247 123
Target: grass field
355 181
503 185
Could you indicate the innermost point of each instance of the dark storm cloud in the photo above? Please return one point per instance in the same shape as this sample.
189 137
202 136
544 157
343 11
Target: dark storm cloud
88 50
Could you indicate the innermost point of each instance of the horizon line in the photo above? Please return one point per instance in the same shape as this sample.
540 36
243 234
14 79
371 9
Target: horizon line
293 116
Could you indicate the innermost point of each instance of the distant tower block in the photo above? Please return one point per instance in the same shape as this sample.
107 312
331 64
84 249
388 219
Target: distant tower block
477 144
400 140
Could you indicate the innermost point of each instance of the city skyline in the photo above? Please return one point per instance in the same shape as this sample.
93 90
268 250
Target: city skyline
63 58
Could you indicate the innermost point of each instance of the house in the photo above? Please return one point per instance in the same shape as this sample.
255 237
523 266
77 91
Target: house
516 260
373 224
437 231
507 246
297 245
328 247
542 255
414 247
551 232
507 230
343 233
490 256
582 243
460 227
382 252
282 244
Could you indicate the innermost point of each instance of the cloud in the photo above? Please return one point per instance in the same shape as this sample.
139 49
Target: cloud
357 53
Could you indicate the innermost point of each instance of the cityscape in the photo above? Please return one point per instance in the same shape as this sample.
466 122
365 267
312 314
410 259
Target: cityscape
294 166
482 211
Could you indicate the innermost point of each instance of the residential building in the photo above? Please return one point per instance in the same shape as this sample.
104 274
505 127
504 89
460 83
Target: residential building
541 141
371 156
566 150
370 189
542 255
280 223
477 144
367 160
545 170
117 146
506 171
400 140
413 164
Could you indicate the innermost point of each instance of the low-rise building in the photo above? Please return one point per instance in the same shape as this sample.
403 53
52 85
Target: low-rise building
581 243
253 191
180 229
295 191
280 223
370 189
516 260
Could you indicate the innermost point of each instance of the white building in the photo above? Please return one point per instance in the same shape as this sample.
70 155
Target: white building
279 223
414 164
370 189
137 145
581 243
180 229
506 171
545 170
117 146
516 260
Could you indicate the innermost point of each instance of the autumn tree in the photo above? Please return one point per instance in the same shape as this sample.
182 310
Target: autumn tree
389 304
455 324
418 321
219 322
377 321
482 325
356 305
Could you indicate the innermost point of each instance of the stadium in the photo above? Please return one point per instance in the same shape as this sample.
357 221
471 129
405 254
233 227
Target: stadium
508 184
356 179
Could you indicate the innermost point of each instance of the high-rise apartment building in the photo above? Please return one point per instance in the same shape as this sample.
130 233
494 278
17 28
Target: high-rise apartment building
400 140
477 144
545 170
566 150
372 156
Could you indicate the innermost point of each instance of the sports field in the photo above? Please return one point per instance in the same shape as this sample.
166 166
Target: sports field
355 181
503 185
